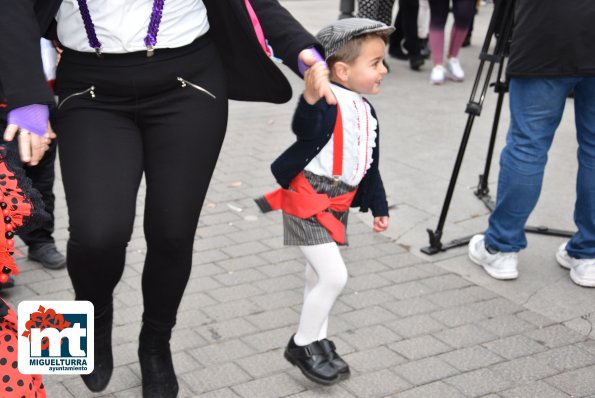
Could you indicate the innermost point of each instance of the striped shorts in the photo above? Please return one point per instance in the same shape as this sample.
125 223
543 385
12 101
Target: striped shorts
307 231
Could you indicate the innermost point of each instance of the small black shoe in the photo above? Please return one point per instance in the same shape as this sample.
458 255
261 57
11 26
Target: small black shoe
47 255
313 362
425 48
329 348
398 50
156 365
416 62
99 378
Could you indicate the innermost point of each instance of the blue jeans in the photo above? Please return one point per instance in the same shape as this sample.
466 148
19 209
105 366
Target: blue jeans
536 107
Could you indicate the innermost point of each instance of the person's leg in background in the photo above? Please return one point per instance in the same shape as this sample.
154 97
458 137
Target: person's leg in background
423 27
463 11
438 14
409 10
42 247
536 107
578 254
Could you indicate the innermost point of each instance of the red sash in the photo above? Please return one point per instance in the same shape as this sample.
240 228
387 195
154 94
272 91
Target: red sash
305 202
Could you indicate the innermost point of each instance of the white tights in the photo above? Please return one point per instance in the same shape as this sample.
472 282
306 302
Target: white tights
326 276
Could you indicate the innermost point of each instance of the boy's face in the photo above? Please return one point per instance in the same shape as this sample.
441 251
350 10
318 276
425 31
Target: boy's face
367 71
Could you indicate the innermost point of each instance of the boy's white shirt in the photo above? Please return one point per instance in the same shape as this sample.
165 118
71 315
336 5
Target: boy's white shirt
359 127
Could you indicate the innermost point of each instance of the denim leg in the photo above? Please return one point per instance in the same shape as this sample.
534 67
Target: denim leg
536 107
582 244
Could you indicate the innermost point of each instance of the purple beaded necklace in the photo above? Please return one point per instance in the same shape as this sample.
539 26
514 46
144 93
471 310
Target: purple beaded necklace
152 30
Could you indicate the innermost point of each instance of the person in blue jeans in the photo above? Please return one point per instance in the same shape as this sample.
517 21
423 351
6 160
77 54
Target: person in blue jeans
541 77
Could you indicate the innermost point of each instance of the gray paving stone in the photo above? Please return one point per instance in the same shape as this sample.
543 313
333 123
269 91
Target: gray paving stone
535 318
446 282
201 284
221 352
411 306
457 316
366 266
206 258
555 336
283 268
495 307
464 336
335 391
433 390
415 325
578 383
405 274
238 263
232 278
371 336
281 299
479 382
222 393
453 298
195 301
264 364
506 325
270 387
425 370
566 358
214 230
286 282
226 330
471 358
400 260
366 282
364 299
274 319
376 384
233 293
192 318
368 316
515 346
523 370
536 389
373 359
419 347
407 290
215 377
185 338
231 309
122 379
282 254
270 339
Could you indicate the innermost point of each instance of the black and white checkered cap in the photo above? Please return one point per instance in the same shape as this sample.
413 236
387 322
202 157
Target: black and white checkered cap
335 35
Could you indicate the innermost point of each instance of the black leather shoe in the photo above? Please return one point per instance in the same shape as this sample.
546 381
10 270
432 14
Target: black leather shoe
99 378
329 348
312 361
157 368
416 61
47 255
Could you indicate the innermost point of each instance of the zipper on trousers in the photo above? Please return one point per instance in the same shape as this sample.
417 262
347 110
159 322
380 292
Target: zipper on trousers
90 90
185 82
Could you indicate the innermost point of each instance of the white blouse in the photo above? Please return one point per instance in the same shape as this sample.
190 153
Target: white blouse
359 139
121 25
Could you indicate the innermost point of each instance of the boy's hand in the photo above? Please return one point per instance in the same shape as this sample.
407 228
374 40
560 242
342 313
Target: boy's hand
323 85
314 79
380 223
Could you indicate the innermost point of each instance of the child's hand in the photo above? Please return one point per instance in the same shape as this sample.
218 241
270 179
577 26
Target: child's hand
380 223
315 79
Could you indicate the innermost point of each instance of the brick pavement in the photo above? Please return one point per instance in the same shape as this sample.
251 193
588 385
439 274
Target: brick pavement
410 326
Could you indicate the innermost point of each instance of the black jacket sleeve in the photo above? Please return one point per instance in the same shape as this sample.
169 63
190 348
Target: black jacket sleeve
21 71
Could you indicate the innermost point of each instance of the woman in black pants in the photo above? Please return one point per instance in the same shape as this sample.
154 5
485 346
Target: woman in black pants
143 89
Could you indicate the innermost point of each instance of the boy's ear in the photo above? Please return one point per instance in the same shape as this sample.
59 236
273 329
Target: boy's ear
341 71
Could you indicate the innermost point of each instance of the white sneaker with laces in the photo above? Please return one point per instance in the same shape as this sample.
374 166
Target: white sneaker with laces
438 75
454 69
582 271
498 265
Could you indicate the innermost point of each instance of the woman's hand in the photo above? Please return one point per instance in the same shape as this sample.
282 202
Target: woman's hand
32 147
323 85
380 223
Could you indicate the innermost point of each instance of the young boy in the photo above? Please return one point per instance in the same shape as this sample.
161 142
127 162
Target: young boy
333 165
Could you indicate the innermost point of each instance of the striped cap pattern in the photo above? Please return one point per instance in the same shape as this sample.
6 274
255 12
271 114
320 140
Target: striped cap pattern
335 35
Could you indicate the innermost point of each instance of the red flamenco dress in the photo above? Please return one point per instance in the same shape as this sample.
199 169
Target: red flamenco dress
22 209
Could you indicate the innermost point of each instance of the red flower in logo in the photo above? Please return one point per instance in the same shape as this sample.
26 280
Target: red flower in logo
43 319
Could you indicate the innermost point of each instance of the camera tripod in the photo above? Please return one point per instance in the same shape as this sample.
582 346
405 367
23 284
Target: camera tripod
500 28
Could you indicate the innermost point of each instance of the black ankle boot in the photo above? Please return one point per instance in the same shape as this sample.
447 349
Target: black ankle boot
157 368
329 348
104 362
312 361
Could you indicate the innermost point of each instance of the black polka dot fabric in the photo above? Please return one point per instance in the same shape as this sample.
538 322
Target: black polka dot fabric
378 10
12 382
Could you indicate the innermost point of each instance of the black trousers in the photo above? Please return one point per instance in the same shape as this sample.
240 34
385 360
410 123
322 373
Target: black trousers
406 27
122 116
42 176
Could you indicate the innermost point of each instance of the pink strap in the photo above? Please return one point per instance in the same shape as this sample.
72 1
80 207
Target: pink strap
257 28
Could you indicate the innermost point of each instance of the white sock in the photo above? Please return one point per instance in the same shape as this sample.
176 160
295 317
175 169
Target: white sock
327 265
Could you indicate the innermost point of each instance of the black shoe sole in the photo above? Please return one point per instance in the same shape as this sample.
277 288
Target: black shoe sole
310 376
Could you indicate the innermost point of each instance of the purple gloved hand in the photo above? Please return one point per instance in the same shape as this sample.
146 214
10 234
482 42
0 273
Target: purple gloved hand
31 117
302 67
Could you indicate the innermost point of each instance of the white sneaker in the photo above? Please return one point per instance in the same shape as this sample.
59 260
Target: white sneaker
438 74
498 265
454 69
582 271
